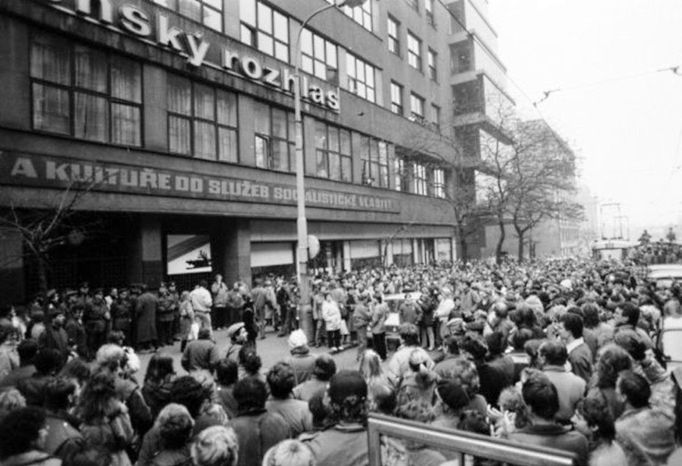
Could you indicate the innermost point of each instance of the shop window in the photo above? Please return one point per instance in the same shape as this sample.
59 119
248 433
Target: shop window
361 77
333 152
319 56
207 12
202 121
85 93
264 28
275 138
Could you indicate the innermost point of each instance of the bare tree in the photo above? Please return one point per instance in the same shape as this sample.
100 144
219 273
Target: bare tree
55 224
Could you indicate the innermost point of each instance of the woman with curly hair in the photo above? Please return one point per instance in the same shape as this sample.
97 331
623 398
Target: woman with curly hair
106 422
158 381
417 452
215 446
613 359
374 375
593 419
464 372
175 427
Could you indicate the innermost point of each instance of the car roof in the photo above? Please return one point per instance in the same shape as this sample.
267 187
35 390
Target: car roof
402 296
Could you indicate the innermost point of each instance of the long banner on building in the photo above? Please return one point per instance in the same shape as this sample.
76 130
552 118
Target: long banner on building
25 169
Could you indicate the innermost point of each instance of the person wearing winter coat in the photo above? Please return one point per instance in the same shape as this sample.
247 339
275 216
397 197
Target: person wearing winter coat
331 314
22 439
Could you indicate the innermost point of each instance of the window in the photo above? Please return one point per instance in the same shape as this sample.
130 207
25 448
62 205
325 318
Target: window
428 8
439 183
360 14
414 4
275 138
435 115
401 175
416 107
202 121
396 98
419 179
360 77
264 28
318 56
460 58
374 156
85 93
432 62
414 51
393 37
206 12
333 152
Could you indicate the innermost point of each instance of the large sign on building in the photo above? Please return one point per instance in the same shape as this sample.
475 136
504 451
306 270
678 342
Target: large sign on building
24 169
160 30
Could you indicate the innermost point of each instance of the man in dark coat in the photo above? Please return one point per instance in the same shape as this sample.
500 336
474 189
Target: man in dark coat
95 320
579 354
145 316
201 353
122 315
55 336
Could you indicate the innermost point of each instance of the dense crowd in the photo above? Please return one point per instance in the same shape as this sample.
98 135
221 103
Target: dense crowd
562 353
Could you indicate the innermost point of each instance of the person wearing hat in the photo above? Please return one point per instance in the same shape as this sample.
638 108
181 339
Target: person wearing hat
95 319
301 360
344 444
238 336
54 336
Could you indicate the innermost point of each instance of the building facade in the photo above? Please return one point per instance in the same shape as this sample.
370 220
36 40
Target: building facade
163 130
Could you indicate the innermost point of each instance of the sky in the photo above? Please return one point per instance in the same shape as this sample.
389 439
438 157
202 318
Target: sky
622 116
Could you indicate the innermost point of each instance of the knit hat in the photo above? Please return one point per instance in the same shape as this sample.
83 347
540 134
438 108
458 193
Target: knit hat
345 384
453 394
234 329
297 339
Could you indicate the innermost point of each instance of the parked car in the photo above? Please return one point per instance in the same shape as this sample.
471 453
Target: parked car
664 274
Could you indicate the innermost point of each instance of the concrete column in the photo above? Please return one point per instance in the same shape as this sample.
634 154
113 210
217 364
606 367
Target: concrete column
415 251
146 253
155 108
346 256
15 92
231 251
12 285
389 252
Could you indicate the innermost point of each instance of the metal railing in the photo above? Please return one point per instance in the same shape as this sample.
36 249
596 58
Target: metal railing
461 442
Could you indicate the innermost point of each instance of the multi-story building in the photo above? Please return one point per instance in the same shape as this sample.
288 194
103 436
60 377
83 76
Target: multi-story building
164 129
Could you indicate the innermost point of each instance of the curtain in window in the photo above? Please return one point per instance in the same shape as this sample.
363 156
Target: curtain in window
204 140
179 135
126 80
90 117
51 109
125 125
50 59
227 145
90 69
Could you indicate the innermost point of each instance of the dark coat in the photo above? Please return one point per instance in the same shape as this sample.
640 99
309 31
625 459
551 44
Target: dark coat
62 437
553 436
257 431
145 312
200 354
55 338
581 361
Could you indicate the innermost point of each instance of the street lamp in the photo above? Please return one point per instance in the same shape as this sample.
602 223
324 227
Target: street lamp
301 222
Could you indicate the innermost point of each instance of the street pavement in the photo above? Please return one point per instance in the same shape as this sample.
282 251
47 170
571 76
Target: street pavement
271 350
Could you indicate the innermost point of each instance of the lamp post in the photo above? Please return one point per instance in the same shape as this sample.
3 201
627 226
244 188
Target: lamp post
305 314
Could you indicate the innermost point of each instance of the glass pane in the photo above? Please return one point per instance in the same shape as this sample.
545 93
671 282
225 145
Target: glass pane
264 18
307 42
320 135
125 125
247 36
227 108
227 145
281 51
307 64
383 153
90 69
369 75
318 46
51 109
364 147
321 70
90 117
331 55
345 142
217 4
204 102
334 166
179 136
281 27
280 156
383 177
50 59
375 171
350 65
265 43
374 148
247 11
334 139
360 71
190 8
213 19
321 164
346 169
179 95
261 152
204 140
279 123
262 118
126 79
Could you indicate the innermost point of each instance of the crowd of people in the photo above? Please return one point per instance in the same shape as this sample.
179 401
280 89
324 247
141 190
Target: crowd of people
558 353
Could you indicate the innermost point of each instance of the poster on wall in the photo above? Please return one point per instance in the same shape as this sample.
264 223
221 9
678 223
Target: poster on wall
188 254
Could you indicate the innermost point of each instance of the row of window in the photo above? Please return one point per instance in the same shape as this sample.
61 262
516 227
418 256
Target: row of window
418 178
416 106
428 9
93 95
414 49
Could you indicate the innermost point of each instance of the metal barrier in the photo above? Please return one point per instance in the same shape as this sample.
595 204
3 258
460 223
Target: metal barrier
464 443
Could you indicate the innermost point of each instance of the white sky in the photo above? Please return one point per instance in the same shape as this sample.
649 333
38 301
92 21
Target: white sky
627 132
